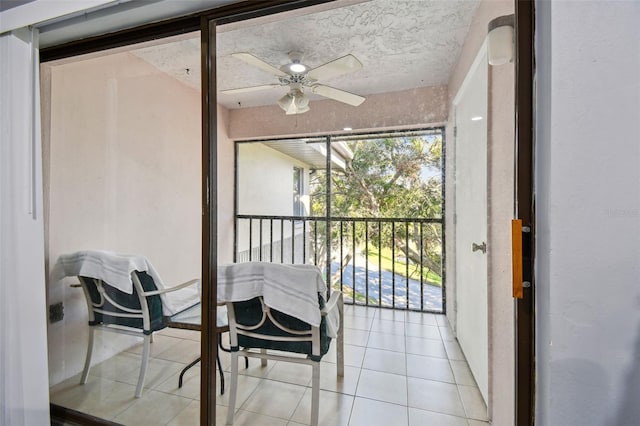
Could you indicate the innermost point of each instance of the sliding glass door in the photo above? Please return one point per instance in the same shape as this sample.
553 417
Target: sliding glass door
122 143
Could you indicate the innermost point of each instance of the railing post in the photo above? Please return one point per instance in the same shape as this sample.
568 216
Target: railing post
250 240
260 241
366 260
421 268
413 228
304 241
393 264
315 242
380 263
328 214
281 240
406 247
293 241
341 254
271 240
353 260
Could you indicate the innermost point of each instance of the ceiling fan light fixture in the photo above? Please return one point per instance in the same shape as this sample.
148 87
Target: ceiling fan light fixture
294 102
297 68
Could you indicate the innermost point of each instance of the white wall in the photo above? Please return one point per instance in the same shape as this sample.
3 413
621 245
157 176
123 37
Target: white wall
265 180
265 187
24 397
42 10
588 213
124 175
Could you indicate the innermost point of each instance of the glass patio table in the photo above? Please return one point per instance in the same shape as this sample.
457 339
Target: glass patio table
191 319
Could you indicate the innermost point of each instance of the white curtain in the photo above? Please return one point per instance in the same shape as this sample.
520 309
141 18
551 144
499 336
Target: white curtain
24 378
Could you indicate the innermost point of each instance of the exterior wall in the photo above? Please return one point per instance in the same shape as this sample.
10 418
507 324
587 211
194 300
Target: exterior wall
500 180
588 213
265 187
124 175
423 107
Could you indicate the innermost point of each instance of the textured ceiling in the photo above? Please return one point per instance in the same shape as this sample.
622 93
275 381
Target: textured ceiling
401 44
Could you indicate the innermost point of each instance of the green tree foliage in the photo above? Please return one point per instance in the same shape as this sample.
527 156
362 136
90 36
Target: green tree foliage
391 178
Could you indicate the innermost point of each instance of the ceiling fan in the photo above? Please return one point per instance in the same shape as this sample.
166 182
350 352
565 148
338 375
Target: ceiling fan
299 77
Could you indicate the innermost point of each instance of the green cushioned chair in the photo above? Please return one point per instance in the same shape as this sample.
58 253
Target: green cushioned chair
258 330
138 314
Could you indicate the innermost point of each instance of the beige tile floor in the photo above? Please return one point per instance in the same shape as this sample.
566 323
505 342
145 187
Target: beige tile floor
401 368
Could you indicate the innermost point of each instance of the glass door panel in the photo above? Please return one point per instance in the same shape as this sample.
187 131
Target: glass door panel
122 136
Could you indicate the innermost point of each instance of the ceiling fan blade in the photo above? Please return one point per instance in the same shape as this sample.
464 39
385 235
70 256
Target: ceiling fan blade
337 94
348 63
250 89
259 63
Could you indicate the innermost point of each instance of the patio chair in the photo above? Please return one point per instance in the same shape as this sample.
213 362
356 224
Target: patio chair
112 307
260 329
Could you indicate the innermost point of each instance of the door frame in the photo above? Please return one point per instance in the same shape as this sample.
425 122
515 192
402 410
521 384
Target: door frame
524 209
524 158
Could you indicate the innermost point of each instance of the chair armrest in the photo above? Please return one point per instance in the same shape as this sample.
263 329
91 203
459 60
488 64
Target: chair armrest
332 303
170 289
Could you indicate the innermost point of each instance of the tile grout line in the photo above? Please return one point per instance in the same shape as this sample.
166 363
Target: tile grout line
406 362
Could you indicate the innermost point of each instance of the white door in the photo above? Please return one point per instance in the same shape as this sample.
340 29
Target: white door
470 107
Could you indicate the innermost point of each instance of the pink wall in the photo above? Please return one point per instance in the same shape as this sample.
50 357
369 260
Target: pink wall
124 157
226 183
486 11
422 107
500 184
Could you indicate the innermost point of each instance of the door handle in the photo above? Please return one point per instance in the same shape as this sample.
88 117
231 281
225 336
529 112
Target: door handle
516 258
479 247
520 258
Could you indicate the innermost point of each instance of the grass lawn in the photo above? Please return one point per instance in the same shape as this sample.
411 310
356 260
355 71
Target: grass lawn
401 267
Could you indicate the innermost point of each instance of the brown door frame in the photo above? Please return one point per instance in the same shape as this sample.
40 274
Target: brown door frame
525 210
206 22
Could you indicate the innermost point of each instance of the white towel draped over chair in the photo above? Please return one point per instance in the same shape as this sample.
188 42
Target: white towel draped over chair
280 308
124 294
115 269
291 289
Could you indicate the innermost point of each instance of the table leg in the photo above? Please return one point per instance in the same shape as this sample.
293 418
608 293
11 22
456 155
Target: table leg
184 370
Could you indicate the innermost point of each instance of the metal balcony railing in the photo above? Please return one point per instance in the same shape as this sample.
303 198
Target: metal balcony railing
384 262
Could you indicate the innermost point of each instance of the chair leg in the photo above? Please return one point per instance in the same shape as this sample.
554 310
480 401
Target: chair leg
143 367
87 361
246 359
315 393
340 350
234 387
221 374
263 361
